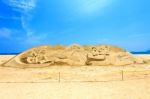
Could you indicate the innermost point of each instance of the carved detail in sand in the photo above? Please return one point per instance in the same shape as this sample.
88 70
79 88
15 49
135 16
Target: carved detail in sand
108 55
74 55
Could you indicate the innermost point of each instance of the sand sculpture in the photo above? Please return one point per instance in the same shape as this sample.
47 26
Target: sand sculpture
74 55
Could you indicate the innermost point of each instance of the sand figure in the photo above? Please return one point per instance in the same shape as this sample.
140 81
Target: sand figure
108 55
71 55
74 55
94 57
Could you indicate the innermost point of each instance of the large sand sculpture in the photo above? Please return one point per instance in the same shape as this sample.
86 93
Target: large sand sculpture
74 55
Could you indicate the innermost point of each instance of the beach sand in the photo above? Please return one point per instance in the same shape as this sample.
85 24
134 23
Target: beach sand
82 82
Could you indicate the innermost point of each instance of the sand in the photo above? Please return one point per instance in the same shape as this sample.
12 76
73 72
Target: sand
74 55
66 82
4 58
132 89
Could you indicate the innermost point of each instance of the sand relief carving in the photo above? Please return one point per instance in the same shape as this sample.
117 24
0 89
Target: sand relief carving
74 55
97 56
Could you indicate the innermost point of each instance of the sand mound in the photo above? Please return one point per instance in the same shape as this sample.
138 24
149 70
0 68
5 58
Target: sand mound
74 55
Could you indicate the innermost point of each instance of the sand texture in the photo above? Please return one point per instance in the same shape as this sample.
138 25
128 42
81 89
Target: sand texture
74 63
77 82
73 73
91 77
74 55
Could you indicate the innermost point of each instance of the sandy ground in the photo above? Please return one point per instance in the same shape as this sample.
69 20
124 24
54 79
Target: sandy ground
132 89
4 58
46 83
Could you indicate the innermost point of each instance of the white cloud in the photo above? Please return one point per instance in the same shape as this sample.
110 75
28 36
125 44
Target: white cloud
24 23
25 7
33 39
5 33
22 5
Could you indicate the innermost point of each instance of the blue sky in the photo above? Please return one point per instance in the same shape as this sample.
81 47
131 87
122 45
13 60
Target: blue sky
27 23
